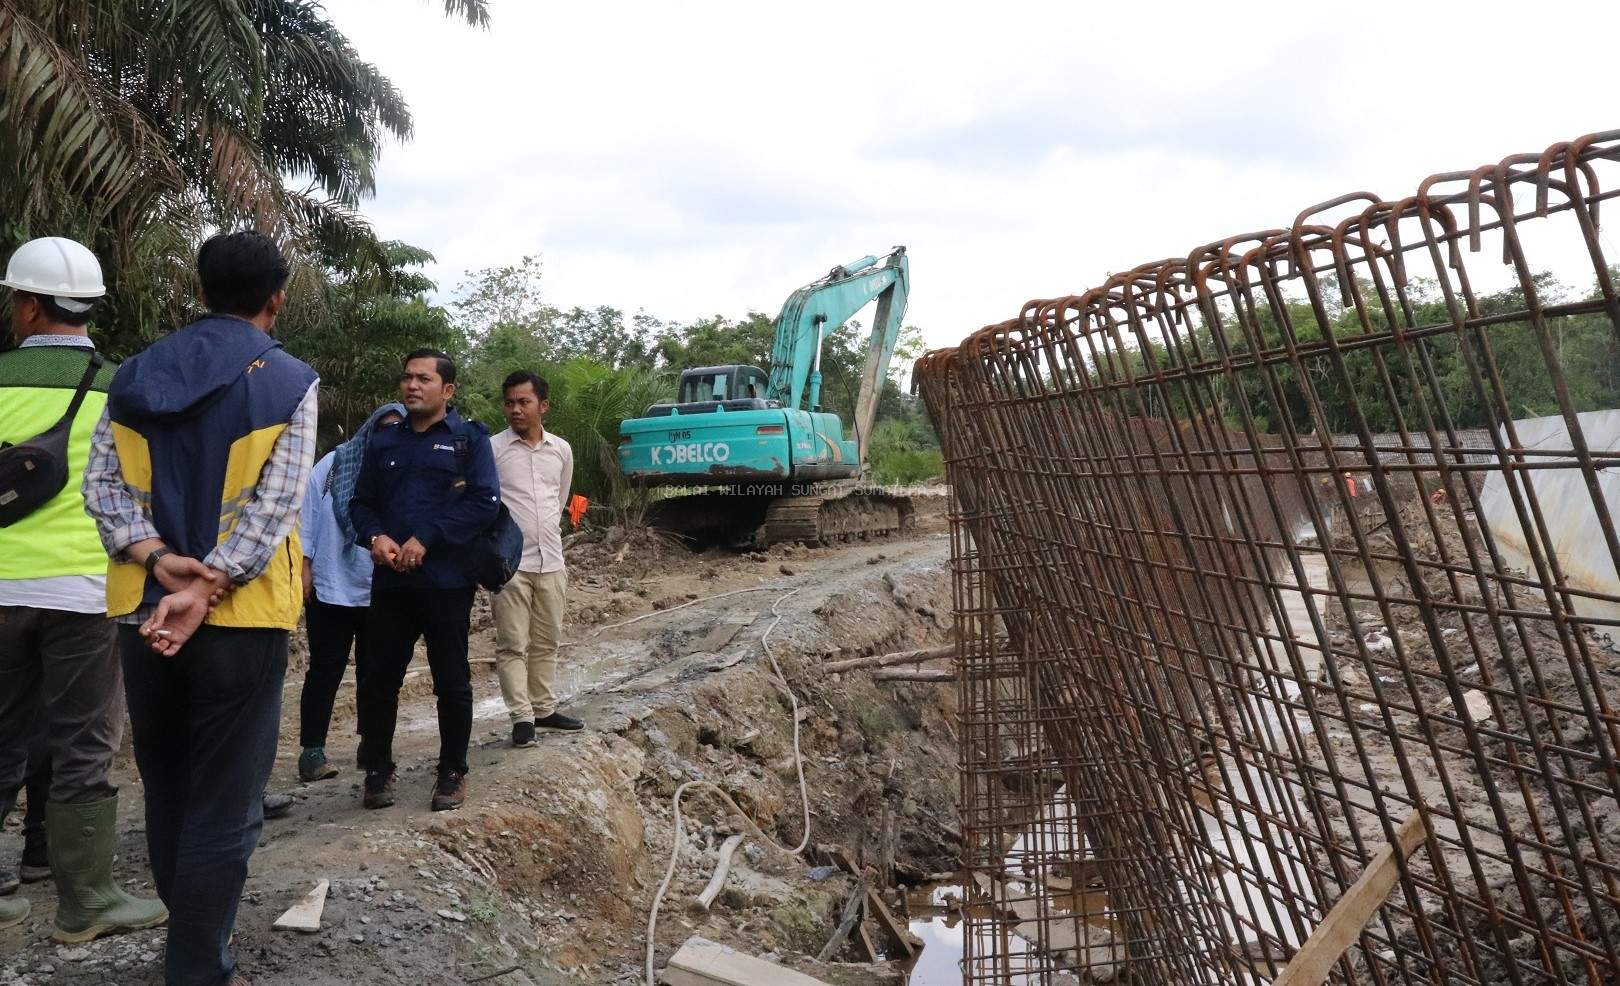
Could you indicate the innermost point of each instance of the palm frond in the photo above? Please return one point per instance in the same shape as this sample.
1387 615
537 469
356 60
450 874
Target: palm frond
141 126
210 51
474 12
66 127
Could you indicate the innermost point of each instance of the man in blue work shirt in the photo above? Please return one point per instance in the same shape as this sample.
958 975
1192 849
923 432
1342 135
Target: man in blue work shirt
426 490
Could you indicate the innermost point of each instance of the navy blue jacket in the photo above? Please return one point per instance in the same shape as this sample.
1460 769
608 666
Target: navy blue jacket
415 485
194 396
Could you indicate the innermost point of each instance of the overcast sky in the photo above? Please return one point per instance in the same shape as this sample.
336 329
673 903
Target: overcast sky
693 158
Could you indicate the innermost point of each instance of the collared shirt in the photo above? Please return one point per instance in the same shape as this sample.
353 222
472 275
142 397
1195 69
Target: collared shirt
263 524
535 481
342 570
64 339
417 484
71 593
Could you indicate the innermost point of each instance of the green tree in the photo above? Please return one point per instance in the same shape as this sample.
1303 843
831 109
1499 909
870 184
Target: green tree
488 360
136 126
506 297
588 400
717 341
602 334
355 323
503 311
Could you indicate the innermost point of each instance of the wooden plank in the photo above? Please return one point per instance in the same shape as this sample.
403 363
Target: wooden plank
305 915
846 923
863 938
718 881
1350 914
895 928
701 962
835 855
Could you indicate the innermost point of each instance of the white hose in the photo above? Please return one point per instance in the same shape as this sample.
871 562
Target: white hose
680 828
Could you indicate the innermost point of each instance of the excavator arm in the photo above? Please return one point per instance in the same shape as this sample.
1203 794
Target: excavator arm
816 310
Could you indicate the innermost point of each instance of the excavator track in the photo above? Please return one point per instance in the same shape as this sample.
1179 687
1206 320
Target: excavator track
857 514
826 516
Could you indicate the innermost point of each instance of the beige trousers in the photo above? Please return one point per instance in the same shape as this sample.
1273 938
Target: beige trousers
528 627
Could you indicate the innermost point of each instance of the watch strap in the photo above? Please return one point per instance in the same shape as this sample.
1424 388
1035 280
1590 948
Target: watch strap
154 557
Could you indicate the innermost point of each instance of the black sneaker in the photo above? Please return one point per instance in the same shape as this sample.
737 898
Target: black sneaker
522 735
451 791
559 721
379 789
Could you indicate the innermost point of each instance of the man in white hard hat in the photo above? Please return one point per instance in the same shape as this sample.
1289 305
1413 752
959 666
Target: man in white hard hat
57 659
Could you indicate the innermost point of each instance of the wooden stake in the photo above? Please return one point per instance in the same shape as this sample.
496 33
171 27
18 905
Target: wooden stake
1342 926
887 660
905 674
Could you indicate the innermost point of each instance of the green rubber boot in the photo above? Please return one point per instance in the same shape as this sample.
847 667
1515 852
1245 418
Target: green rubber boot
89 903
13 910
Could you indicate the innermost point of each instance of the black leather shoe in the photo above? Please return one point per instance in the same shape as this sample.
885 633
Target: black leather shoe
559 721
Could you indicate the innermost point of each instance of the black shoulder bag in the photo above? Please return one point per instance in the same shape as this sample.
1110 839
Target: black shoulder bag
493 556
32 472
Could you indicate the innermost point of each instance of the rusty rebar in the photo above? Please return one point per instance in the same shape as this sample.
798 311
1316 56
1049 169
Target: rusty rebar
1257 551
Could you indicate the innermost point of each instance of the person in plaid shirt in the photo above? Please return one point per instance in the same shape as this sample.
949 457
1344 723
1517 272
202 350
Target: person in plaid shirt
196 476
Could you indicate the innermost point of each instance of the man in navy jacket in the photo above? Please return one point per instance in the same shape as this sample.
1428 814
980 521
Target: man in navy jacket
427 488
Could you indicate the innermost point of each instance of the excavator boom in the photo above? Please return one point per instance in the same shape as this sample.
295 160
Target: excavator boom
817 309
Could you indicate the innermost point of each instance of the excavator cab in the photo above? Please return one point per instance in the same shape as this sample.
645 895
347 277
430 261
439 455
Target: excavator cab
718 388
722 383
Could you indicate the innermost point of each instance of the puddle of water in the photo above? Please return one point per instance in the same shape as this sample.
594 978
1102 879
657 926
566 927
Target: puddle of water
937 921
936 917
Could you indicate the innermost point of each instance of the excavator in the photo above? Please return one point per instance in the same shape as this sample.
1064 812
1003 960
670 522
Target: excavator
770 465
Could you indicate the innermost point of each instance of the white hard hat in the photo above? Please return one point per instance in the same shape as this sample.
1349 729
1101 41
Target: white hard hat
57 267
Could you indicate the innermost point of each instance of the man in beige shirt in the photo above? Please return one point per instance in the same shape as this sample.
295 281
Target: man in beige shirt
536 469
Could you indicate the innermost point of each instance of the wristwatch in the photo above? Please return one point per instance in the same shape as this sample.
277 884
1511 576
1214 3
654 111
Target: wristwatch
154 557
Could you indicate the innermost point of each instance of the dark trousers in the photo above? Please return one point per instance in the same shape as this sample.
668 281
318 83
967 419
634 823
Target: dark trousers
398 618
205 726
59 679
38 786
333 630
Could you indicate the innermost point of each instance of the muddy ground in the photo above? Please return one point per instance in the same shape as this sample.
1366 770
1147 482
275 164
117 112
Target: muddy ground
545 876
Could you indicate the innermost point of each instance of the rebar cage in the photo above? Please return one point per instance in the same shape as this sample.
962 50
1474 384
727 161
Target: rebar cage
1259 552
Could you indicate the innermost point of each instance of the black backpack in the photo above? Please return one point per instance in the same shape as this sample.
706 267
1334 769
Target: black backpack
492 558
32 472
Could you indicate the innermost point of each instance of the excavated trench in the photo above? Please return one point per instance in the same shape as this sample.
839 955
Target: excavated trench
547 874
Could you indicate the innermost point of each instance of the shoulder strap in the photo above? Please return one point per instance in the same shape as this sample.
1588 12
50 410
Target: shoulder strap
461 453
96 363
